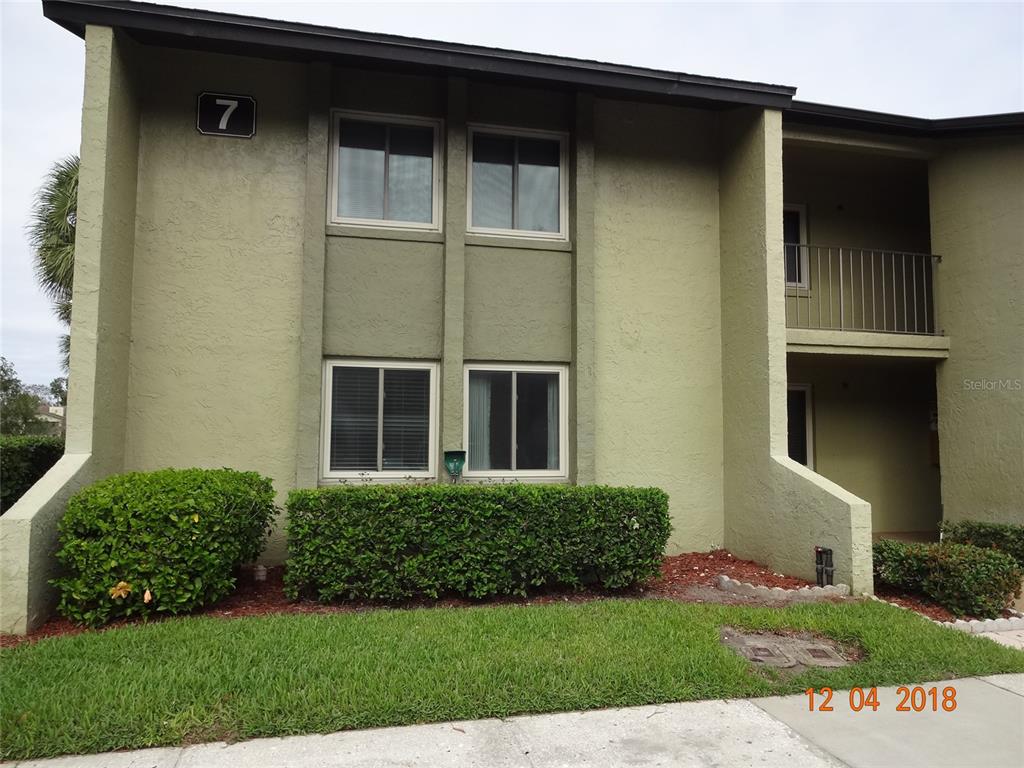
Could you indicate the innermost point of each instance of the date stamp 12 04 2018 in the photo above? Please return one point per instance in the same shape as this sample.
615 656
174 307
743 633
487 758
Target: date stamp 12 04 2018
908 699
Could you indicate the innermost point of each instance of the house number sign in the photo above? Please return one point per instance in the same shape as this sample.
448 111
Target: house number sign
226 114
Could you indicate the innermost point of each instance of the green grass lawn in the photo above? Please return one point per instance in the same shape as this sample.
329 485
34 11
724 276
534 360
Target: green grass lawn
199 679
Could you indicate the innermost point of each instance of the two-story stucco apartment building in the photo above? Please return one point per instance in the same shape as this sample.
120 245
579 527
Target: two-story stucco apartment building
331 256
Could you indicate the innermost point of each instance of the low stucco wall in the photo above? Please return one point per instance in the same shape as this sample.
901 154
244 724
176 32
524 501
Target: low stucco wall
809 511
28 541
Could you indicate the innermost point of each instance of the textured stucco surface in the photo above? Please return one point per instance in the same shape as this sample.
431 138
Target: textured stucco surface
658 378
311 308
218 264
383 298
872 435
100 327
517 305
977 207
776 510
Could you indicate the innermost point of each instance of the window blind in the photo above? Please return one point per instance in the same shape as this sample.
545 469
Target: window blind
354 411
406 430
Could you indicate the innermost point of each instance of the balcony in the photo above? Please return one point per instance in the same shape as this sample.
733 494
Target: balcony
861 301
856 289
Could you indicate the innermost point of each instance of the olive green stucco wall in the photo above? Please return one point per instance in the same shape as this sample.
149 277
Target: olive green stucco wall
217 278
658 377
872 435
383 298
518 305
977 205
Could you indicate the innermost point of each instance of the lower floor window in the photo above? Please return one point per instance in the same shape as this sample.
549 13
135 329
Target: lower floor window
379 418
515 420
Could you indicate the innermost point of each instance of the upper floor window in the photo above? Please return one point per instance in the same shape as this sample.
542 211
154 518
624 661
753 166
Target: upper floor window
380 419
517 182
794 237
385 171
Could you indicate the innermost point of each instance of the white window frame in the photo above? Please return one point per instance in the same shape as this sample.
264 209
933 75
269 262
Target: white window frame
325 422
801 209
436 124
563 182
808 391
562 473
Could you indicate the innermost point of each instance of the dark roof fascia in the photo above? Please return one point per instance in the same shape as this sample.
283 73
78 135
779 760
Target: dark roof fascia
203 29
825 115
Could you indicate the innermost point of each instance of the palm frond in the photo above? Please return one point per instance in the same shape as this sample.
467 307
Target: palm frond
51 230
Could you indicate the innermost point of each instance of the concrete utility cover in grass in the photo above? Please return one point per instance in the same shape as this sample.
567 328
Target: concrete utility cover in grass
785 651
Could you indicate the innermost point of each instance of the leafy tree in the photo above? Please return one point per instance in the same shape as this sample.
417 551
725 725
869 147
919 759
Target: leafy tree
59 390
17 407
51 232
40 392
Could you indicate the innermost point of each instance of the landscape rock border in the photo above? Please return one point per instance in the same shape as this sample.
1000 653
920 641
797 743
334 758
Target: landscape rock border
746 589
973 627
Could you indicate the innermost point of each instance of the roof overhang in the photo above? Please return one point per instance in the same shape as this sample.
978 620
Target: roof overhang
252 36
827 116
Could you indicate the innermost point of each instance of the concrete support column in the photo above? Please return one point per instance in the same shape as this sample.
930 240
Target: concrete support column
101 329
454 265
776 510
307 469
582 406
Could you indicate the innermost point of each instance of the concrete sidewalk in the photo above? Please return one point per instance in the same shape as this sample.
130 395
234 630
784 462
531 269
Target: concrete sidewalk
987 728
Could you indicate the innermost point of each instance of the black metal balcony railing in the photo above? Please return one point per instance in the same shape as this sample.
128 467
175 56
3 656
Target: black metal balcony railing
860 289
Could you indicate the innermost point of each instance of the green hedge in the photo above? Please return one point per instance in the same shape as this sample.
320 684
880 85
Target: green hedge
396 542
1002 536
167 541
965 579
23 460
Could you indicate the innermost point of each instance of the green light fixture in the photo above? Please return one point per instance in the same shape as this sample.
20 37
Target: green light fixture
454 461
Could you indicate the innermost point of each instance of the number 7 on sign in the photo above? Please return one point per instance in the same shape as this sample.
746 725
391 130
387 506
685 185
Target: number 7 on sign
232 105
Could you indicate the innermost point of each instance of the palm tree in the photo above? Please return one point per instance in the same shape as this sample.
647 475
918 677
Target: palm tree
51 232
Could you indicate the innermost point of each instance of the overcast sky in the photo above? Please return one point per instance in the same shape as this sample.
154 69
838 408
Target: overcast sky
923 59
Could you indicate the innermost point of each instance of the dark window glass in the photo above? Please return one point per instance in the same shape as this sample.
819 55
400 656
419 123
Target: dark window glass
490 420
791 238
354 397
406 419
385 172
410 174
493 159
537 421
516 183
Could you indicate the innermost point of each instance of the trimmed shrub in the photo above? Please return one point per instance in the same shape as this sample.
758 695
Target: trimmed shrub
1005 537
396 542
964 579
23 460
159 542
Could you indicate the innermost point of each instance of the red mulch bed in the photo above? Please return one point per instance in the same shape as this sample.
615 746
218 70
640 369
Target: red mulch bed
921 604
679 573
